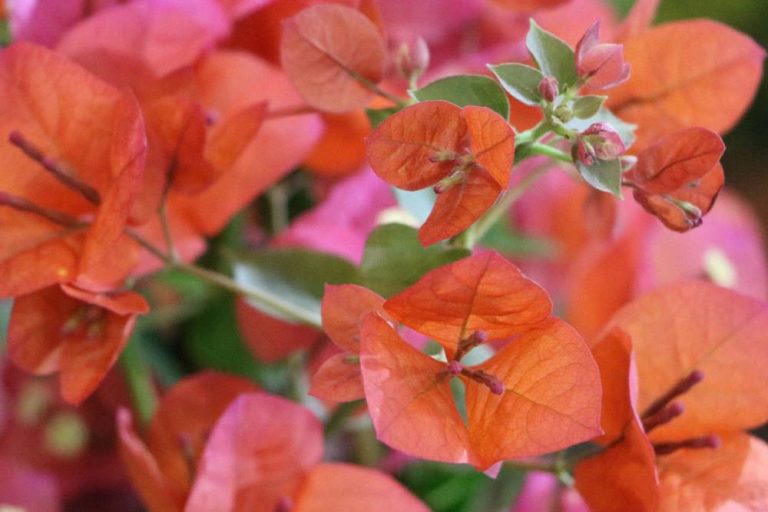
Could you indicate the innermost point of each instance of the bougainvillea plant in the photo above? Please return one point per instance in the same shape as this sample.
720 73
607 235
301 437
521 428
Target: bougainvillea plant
376 255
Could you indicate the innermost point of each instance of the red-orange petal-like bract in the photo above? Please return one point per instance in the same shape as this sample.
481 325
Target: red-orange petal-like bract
471 148
482 293
76 332
537 394
699 326
327 50
177 434
668 90
93 130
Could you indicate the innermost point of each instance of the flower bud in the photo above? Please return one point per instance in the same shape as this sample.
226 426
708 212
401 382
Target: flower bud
599 141
548 88
564 113
602 65
412 59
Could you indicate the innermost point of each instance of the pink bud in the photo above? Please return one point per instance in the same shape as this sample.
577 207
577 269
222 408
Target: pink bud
602 65
599 141
412 59
548 88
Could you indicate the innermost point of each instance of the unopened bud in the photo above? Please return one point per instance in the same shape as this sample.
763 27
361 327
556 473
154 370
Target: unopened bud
548 88
412 59
599 141
564 113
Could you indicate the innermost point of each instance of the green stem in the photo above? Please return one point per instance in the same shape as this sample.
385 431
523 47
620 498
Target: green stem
532 135
270 301
374 88
229 284
539 149
138 376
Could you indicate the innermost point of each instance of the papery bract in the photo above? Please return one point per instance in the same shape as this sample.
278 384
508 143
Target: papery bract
482 293
138 31
327 50
95 131
678 178
669 90
601 66
343 309
271 339
78 333
515 407
529 5
709 480
257 462
176 437
465 153
697 389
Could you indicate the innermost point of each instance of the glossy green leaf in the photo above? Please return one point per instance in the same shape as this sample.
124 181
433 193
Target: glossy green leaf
465 90
292 280
588 106
520 81
603 175
395 259
552 54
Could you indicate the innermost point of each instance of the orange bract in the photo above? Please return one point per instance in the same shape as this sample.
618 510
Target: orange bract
353 489
412 406
76 332
539 393
669 90
343 309
529 5
481 293
92 130
176 437
327 50
734 475
467 154
713 330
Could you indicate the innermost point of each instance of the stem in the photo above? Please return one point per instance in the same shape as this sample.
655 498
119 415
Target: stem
532 135
278 208
538 149
227 283
374 88
162 213
230 284
139 379
493 215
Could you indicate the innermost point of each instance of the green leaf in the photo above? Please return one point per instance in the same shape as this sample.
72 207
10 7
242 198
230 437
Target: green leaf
379 115
394 259
603 175
520 81
464 90
588 106
552 54
293 279
212 340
